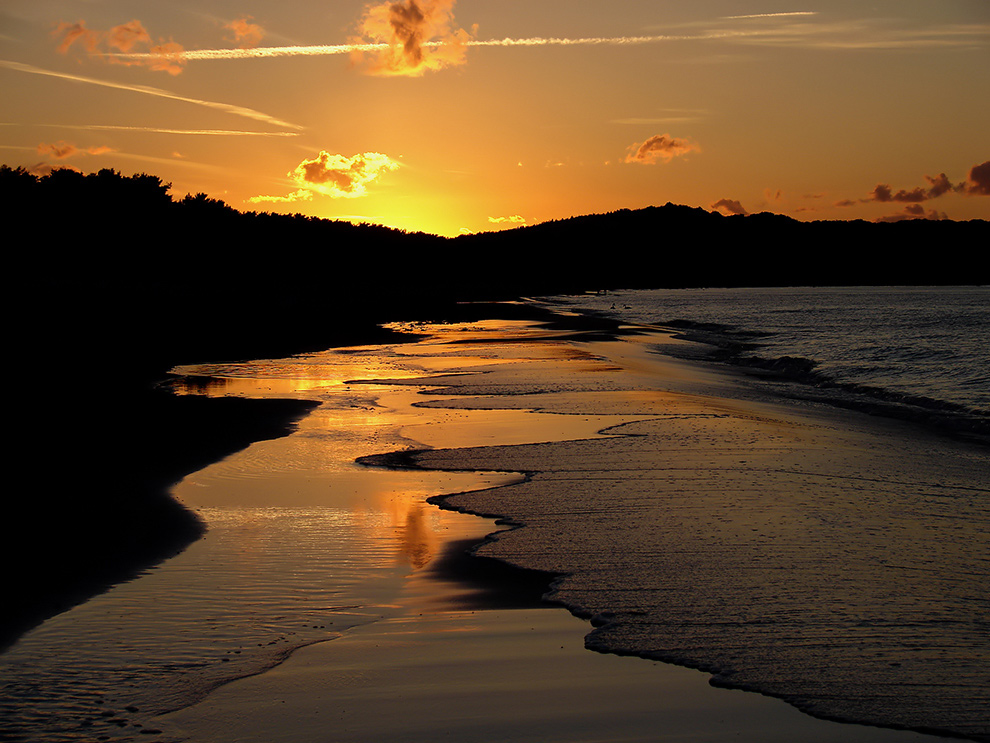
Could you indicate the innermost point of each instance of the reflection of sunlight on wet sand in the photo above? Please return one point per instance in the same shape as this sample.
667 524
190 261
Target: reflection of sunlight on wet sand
368 399
302 543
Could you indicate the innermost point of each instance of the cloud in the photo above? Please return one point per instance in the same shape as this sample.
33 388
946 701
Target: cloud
729 206
417 36
410 37
660 147
336 176
514 219
58 150
914 211
167 130
939 185
245 33
883 193
978 183
148 90
43 168
342 177
769 15
62 150
126 36
76 32
301 195
118 44
860 34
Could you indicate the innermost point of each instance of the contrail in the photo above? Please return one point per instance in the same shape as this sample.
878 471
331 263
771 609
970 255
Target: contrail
247 113
160 130
323 50
769 15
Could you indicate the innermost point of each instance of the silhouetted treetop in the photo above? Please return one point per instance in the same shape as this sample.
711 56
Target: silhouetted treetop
151 241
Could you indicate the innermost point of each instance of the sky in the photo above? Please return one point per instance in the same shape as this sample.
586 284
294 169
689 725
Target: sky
455 116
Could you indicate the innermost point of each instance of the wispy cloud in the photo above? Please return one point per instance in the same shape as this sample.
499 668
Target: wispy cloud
162 130
514 219
244 33
246 113
301 195
660 147
769 15
63 150
117 45
859 34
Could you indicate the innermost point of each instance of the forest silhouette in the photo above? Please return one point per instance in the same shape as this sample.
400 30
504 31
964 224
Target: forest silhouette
111 282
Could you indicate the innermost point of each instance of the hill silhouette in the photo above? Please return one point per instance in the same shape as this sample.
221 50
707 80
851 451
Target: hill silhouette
111 282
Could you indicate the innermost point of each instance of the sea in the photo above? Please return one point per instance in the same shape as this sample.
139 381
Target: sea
919 353
237 603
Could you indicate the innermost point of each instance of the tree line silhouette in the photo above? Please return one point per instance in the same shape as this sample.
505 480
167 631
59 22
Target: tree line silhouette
111 282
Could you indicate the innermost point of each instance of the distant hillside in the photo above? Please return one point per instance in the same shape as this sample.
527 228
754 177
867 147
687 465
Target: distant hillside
123 232
678 246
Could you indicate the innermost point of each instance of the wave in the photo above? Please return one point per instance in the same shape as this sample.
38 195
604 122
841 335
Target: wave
739 347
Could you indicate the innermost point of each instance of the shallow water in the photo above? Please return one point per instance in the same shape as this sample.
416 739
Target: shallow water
924 350
302 543
836 560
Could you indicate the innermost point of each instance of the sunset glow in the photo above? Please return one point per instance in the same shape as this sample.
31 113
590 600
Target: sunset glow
452 116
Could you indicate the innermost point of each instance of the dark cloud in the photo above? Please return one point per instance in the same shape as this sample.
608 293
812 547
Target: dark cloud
978 184
914 211
939 185
979 180
884 194
729 206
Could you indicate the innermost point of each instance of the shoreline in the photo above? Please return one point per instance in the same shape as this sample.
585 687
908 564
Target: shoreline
152 439
609 630
230 713
514 387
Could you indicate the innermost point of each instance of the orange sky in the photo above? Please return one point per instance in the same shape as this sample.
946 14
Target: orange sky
470 115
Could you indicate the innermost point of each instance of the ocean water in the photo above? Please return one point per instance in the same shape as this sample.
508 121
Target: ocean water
822 557
921 353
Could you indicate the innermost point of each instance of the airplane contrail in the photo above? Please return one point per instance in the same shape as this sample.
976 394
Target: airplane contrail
247 113
322 50
770 15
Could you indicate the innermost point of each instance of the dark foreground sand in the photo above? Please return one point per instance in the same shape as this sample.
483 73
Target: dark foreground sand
439 664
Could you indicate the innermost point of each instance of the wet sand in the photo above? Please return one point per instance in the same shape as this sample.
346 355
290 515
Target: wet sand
446 660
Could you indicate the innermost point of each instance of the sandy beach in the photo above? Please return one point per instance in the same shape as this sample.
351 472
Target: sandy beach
442 664
335 600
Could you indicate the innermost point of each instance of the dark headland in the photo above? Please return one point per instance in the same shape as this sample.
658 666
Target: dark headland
111 282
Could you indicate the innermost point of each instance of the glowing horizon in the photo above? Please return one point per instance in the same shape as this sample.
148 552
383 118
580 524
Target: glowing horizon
812 113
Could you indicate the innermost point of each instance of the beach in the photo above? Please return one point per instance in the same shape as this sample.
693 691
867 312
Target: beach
666 510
